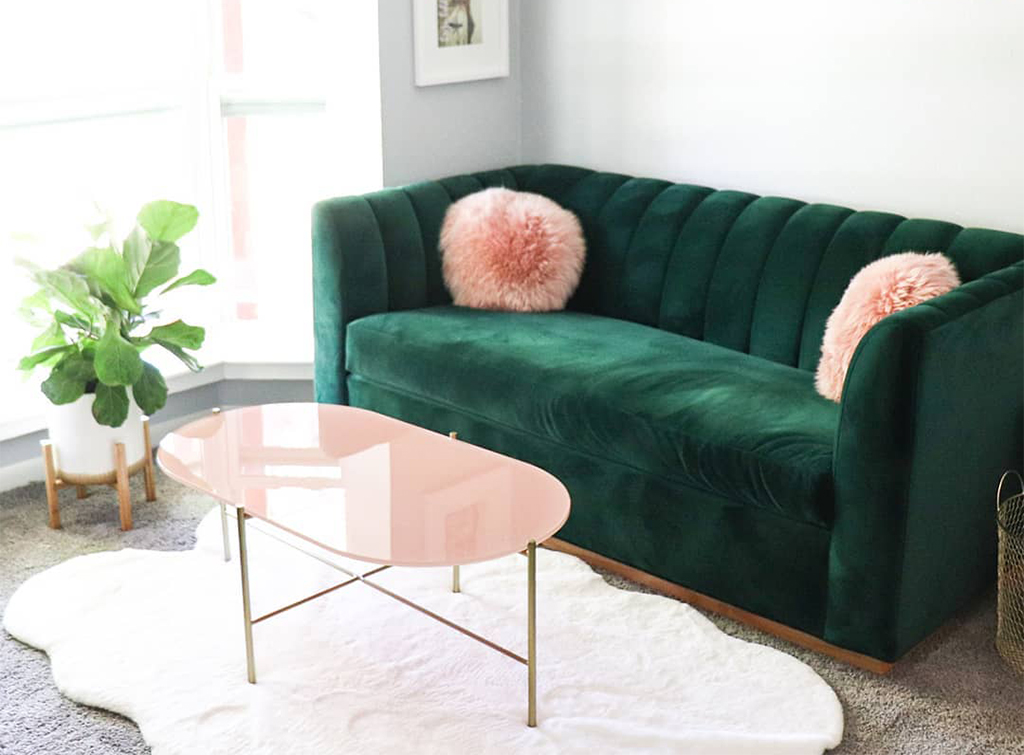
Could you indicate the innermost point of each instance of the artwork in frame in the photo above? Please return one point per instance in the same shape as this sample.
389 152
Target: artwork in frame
460 40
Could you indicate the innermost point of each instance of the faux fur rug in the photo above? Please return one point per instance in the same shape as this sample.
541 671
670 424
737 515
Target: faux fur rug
157 636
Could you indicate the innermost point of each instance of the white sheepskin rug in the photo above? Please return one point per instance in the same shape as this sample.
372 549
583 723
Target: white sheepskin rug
157 637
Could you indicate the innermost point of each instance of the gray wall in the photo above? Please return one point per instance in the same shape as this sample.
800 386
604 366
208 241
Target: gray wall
914 106
223 393
435 131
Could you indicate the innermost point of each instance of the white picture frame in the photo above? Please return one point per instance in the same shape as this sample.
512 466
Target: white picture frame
460 40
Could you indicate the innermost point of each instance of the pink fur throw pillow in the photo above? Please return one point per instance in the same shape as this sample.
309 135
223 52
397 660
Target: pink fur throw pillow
879 289
511 250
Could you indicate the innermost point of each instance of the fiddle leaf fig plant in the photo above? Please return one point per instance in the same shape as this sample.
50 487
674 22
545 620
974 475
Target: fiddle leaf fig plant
97 316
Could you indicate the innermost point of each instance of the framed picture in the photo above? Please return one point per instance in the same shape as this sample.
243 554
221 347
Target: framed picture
460 40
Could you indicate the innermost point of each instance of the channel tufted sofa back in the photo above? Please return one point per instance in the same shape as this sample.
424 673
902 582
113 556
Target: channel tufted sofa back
858 523
758 275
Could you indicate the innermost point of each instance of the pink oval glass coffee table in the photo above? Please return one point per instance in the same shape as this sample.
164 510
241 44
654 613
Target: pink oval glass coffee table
372 488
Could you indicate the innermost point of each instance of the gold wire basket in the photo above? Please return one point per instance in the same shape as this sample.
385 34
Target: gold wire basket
1010 612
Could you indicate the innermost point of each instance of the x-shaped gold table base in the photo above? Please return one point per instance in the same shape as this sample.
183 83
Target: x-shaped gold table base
531 616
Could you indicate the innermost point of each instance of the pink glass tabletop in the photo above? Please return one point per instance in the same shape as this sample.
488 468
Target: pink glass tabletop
367 486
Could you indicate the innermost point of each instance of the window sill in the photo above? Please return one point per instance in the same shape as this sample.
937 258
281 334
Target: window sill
179 380
233 350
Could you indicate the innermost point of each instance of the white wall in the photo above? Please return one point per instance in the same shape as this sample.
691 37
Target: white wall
911 106
430 132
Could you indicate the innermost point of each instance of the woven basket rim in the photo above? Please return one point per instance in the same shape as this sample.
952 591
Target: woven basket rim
1003 513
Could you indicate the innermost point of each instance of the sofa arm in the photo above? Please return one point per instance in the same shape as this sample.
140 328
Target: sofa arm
931 415
371 253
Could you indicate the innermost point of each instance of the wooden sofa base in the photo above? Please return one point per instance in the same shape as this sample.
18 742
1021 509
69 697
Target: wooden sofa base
707 603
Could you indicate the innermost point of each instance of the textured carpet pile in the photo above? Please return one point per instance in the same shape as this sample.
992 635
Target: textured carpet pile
951 695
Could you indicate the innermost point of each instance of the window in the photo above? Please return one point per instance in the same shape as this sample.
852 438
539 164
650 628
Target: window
289 139
250 109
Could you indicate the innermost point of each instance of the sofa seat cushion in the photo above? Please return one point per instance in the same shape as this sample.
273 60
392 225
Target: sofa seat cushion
718 420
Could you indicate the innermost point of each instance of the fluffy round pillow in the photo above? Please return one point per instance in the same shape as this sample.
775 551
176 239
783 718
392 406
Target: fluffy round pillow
511 250
879 289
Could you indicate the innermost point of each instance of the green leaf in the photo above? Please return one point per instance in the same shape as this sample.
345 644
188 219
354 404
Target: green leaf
103 223
68 380
117 361
29 265
195 278
107 269
72 321
111 405
60 389
179 334
52 336
150 390
38 300
187 359
39 357
161 266
98 230
167 221
136 254
35 309
70 288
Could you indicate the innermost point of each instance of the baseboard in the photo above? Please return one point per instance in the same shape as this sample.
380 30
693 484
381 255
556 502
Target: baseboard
714 605
21 473
192 396
31 470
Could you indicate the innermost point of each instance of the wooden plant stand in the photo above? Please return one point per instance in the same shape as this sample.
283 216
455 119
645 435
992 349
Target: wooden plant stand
118 479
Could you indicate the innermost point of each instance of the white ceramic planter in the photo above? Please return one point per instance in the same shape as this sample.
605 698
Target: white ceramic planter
84 449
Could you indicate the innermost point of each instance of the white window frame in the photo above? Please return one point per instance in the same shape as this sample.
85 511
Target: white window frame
211 97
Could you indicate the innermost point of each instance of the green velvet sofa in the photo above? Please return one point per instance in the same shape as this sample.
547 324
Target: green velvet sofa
675 395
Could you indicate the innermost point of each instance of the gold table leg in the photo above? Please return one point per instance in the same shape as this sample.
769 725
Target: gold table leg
531 632
243 561
455 569
224 531
531 616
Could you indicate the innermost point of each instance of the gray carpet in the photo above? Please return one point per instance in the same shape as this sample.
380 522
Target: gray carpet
950 695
